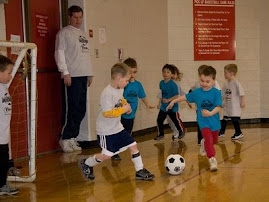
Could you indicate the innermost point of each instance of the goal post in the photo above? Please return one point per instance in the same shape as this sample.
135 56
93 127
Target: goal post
30 104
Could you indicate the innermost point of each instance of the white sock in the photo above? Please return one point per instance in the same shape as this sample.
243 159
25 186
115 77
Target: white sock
92 161
137 160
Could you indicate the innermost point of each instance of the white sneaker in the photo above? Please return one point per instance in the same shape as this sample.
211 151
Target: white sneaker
202 148
65 145
213 164
74 145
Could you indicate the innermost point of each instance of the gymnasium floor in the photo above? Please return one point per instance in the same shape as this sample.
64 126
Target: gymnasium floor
243 173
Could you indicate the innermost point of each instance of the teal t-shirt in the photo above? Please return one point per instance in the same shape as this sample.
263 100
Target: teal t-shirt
132 92
169 89
206 100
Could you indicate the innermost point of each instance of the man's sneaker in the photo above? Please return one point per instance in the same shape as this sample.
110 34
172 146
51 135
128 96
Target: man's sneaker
65 145
202 148
86 170
116 157
74 145
144 174
6 190
237 136
221 135
159 137
213 164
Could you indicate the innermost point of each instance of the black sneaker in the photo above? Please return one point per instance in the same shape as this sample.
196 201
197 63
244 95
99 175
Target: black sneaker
144 174
159 137
237 136
181 135
6 190
86 170
116 157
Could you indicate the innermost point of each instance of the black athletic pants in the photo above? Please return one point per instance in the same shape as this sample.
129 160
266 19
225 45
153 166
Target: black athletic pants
235 121
162 116
74 106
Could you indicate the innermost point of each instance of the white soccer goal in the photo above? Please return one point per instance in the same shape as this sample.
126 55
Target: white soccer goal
25 102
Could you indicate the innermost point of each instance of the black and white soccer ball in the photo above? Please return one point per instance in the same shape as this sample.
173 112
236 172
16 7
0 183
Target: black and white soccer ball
175 164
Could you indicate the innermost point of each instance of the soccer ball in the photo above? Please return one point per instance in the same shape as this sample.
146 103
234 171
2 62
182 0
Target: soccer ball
175 164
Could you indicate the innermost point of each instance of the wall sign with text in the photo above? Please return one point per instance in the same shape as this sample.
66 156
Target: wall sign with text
214 29
41 25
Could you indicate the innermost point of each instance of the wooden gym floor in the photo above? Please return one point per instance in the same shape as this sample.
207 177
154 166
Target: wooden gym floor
243 173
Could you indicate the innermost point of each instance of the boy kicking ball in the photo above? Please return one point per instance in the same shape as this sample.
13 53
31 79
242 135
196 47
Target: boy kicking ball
111 135
208 103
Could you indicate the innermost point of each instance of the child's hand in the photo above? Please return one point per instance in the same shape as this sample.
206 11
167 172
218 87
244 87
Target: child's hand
165 100
206 113
170 106
129 112
127 108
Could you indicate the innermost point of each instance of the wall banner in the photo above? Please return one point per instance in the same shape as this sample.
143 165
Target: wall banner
214 29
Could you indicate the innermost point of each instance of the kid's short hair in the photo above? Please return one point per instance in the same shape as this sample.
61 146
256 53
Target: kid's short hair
231 68
209 71
119 69
130 62
74 9
200 69
4 62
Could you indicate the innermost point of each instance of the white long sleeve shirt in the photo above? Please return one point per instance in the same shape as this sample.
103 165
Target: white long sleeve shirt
72 52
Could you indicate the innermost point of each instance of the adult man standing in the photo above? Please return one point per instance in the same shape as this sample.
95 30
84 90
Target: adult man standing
73 61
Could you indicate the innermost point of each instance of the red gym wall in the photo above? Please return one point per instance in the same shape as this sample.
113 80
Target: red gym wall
44 23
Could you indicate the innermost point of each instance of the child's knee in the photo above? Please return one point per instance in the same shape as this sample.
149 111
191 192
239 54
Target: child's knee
133 149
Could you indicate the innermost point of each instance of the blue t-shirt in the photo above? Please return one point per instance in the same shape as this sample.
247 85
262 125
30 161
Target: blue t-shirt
169 89
206 100
132 92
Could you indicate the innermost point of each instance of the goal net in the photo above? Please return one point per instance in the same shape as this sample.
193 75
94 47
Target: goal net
22 89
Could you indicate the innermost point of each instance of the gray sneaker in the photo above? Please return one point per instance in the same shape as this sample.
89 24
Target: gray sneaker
87 171
6 190
144 174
